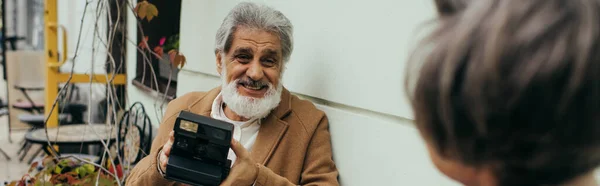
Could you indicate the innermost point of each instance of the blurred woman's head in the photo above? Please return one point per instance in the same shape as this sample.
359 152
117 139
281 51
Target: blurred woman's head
509 91
450 7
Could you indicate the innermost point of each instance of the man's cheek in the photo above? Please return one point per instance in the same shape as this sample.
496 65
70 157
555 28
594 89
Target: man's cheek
273 78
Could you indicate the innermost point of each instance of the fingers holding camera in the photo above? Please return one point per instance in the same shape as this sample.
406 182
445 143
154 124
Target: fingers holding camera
169 143
244 170
239 149
166 150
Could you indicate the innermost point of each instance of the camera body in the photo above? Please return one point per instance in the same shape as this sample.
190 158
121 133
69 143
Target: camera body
199 153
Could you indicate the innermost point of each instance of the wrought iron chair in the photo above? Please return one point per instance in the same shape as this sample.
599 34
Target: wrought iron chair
134 138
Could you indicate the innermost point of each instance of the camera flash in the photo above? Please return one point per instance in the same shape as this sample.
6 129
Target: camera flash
188 126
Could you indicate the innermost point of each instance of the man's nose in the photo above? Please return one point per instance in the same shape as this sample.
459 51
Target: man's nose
255 71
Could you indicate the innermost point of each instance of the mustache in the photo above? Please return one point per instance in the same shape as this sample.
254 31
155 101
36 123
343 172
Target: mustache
252 83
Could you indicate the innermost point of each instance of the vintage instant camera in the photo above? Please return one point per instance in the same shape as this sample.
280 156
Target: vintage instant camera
199 153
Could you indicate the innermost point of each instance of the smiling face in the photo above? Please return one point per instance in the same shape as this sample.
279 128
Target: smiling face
251 73
255 59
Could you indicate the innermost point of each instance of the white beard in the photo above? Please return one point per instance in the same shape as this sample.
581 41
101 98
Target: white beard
249 107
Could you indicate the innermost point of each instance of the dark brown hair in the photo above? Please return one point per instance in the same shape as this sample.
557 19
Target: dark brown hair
449 7
513 85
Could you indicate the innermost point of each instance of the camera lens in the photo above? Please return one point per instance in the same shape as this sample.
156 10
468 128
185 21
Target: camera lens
219 134
182 143
201 150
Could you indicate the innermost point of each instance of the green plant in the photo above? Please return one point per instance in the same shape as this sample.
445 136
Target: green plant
66 171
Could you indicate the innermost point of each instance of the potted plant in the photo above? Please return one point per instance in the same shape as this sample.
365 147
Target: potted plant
68 171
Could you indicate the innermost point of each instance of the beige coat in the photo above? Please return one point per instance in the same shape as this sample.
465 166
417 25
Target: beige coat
293 143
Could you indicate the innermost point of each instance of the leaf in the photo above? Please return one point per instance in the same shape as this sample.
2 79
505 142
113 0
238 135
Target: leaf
64 178
180 60
33 166
65 163
106 180
177 58
85 180
45 183
79 171
151 12
172 54
71 179
141 9
57 170
119 171
32 180
159 50
48 161
143 44
89 167
77 182
162 41
83 171
172 42
53 178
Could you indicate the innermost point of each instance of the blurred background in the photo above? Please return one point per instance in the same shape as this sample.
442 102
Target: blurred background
89 80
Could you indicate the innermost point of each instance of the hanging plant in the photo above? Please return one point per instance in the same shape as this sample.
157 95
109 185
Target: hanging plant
148 11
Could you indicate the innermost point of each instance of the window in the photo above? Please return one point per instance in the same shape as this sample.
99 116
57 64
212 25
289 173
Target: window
162 31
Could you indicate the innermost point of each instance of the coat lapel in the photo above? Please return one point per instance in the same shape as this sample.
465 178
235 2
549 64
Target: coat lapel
269 135
203 105
271 130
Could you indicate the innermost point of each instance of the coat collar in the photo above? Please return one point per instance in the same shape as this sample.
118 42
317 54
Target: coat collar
272 127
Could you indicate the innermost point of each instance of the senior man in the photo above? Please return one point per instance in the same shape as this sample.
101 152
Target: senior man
279 139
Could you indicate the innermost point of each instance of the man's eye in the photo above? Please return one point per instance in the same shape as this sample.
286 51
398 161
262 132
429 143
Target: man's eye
269 62
243 58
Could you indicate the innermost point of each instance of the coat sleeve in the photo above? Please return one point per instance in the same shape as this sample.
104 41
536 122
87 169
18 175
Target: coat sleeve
319 168
146 170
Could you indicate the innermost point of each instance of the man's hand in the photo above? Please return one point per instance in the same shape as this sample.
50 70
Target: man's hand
166 150
244 170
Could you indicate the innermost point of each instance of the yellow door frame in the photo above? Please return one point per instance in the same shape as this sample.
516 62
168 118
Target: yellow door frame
53 76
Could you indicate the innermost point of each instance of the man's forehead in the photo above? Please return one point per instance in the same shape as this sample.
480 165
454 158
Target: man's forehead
256 43
262 50
256 36
268 51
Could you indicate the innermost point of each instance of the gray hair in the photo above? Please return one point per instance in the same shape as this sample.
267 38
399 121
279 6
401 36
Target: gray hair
255 16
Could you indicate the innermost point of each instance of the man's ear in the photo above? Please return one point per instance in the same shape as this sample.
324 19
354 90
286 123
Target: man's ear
218 60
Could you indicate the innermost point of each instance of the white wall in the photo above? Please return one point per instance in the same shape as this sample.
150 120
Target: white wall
91 50
343 44
348 58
